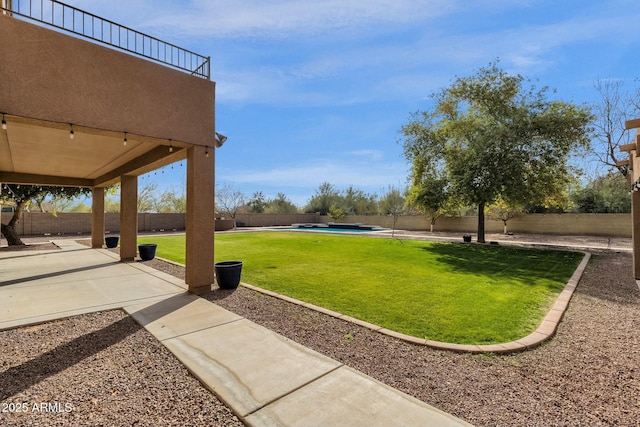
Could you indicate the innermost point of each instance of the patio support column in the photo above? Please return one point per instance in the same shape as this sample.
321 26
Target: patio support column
97 217
128 217
200 219
635 232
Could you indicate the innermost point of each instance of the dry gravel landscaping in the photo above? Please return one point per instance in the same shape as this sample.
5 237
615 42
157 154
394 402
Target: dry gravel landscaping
588 374
99 369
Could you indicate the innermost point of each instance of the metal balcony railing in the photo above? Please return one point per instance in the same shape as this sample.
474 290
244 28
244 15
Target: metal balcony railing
76 21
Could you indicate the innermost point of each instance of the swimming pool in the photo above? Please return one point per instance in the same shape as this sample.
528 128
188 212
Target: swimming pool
330 229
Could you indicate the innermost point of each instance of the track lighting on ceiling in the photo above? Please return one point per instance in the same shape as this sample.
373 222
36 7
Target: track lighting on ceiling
170 146
124 141
4 122
220 139
71 134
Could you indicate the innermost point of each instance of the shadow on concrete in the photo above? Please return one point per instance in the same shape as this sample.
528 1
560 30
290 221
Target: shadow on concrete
218 294
55 273
162 308
20 378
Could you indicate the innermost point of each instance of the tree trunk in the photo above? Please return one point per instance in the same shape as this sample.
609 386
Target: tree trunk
9 229
505 227
393 230
481 223
10 234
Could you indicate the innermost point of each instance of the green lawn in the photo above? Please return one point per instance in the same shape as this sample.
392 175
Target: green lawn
459 293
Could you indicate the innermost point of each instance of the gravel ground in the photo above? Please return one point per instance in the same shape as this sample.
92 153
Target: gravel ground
99 369
587 375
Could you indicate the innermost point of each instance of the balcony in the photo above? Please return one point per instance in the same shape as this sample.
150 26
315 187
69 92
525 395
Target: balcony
63 17
86 102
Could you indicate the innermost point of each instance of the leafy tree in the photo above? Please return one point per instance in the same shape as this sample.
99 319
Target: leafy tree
60 204
171 201
148 198
281 205
495 138
352 201
429 195
392 203
336 213
22 195
229 200
500 210
80 207
325 197
605 194
357 202
257 203
111 205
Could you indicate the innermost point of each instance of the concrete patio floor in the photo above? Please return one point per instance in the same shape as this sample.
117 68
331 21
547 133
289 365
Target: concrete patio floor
265 378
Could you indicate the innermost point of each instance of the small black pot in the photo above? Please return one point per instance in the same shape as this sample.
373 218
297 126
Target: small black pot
111 241
228 274
147 251
466 238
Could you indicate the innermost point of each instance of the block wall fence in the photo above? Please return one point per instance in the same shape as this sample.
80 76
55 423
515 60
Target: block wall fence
38 223
610 225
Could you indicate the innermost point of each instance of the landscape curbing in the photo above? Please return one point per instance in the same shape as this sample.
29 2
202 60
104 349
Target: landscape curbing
544 332
262 376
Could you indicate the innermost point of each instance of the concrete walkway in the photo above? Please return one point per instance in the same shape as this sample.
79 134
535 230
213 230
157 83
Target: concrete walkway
266 379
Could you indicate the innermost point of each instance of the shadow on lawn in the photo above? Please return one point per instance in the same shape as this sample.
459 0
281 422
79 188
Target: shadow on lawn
524 265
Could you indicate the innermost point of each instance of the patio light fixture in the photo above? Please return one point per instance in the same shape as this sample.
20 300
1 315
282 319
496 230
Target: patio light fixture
220 139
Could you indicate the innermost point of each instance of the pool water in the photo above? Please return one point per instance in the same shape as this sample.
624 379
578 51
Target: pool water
328 229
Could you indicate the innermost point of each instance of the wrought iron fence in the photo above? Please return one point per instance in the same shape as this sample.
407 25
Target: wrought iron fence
85 24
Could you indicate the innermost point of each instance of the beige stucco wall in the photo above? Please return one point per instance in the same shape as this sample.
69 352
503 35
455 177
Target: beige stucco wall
267 220
612 225
38 223
69 80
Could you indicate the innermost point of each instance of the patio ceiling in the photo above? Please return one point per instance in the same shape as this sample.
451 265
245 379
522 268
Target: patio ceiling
39 152
50 82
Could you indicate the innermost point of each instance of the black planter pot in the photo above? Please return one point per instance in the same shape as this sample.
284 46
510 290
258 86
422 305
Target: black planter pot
111 241
228 274
147 251
466 238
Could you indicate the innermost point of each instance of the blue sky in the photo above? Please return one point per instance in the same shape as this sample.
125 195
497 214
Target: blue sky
314 91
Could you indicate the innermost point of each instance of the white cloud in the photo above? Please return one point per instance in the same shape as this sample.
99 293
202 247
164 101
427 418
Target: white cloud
368 154
284 18
367 175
